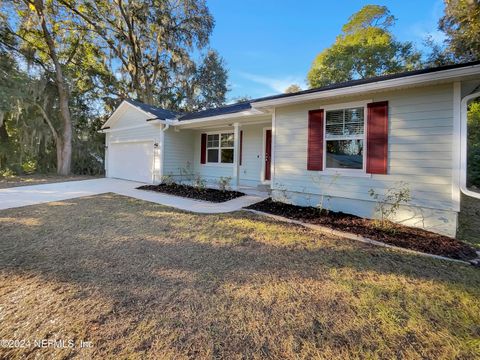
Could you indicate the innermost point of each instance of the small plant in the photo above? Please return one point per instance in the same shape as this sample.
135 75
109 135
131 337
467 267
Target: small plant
29 167
389 203
324 203
224 183
185 173
7 173
199 182
167 180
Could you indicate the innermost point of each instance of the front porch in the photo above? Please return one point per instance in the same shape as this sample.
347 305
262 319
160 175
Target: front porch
237 151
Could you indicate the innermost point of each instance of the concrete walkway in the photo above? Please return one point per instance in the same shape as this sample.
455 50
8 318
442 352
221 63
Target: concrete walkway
38 194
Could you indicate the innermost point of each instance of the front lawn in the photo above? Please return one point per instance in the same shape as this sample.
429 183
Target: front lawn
469 221
39 179
140 280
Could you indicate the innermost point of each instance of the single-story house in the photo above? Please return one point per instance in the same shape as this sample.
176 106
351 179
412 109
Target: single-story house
322 147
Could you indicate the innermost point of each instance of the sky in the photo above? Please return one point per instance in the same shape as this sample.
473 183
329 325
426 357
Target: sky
268 45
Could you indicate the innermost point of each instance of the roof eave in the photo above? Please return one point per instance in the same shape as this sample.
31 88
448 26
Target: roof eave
247 113
420 79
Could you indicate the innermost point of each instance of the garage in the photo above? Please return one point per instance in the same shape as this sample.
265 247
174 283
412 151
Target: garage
131 160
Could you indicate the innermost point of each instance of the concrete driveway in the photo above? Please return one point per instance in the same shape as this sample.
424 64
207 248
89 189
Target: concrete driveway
38 194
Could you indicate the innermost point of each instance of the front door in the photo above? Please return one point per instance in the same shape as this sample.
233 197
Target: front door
268 154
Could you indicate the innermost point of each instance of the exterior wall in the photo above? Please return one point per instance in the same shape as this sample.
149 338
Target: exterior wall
147 132
178 153
251 168
129 116
210 172
419 153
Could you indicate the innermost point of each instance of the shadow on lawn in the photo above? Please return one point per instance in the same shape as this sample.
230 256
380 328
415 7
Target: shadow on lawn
137 252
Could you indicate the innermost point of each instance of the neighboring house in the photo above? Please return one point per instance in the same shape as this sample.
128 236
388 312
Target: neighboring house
326 146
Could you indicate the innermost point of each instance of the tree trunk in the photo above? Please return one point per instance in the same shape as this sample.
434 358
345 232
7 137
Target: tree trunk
4 141
64 141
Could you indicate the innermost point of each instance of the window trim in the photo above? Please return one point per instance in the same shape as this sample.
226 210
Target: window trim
219 148
342 171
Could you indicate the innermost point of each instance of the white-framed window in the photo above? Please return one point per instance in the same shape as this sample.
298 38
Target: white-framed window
344 139
220 148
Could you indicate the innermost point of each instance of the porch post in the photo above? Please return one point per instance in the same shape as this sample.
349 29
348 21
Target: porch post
236 157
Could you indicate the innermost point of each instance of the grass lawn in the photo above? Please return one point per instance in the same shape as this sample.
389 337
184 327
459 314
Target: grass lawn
469 221
39 179
140 280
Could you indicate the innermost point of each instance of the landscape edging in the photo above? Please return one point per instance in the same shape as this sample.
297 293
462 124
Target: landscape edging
352 236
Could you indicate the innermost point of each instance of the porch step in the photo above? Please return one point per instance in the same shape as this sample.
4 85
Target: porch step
264 188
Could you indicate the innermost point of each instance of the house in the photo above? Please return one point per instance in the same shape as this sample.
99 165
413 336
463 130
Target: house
327 146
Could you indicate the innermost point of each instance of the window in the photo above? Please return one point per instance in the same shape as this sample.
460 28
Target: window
220 148
344 138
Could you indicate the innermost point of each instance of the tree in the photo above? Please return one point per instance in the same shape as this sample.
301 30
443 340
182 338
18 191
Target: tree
292 89
241 99
202 86
62 66
365 48
211 82
473 143
41 33
461 25
149 43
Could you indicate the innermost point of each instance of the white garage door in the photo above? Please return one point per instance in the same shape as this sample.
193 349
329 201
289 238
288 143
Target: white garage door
131 161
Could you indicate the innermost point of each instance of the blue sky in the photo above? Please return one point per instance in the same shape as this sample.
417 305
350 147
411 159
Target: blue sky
268 45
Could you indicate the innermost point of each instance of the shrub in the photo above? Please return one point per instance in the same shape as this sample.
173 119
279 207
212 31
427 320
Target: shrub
224 183
199 182
6 173
389 203
167 180
29 167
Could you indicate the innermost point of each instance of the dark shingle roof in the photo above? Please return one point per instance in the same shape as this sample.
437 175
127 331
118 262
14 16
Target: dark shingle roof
234 108
228 109
162 114
369 80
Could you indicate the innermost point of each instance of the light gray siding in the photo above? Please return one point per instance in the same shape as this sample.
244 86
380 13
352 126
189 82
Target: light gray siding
178 147
419 153
251 168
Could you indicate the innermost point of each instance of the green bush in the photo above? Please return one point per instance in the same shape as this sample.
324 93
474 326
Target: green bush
6 173
29 167
473 158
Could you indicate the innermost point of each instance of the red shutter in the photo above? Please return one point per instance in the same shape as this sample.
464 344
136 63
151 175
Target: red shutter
315 140
203 151
241 146
377 137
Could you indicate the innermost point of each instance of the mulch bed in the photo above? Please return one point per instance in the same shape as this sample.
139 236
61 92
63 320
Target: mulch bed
192 192
398 235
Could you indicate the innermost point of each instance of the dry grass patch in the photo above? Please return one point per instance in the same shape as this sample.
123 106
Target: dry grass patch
144 281
39 179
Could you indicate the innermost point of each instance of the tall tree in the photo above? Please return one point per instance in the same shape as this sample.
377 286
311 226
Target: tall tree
41 33
461 24
149 43
205 86
365 48
292 89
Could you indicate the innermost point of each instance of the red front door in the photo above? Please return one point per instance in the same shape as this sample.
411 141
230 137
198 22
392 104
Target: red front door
268 154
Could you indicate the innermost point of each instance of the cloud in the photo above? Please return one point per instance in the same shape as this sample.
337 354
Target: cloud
429 27
277 84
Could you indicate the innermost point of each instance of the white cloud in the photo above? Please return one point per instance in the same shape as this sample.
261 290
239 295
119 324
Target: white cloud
274 83
429 27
